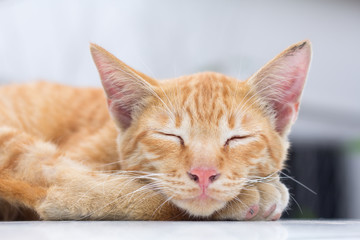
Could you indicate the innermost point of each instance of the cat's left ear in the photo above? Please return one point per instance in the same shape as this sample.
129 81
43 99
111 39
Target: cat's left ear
280 82
126 89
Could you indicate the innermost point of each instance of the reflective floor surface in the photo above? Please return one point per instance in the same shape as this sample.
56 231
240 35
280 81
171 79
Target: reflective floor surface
181 230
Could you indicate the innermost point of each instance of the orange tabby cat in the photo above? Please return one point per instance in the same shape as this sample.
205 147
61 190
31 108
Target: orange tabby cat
204 146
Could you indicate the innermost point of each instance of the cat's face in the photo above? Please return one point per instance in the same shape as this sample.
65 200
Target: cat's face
202 138
211 124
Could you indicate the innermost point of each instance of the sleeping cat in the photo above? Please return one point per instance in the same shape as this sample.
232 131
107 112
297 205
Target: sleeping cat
203 146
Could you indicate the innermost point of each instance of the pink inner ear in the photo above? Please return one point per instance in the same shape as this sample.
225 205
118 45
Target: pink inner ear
288 103
294 86
120 114
286 114
106 75
121 100
292 75
122 93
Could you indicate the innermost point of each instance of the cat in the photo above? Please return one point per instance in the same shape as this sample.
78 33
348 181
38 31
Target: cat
203 146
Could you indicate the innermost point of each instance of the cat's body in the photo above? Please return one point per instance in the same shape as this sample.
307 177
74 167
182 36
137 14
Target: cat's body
200 146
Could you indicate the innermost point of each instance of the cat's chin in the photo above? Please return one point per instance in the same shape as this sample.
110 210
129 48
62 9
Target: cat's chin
200 207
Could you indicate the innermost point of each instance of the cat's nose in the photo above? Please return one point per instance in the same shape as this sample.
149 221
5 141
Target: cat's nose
203 176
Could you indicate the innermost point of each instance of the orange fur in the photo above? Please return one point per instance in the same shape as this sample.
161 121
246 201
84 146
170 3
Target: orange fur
64 156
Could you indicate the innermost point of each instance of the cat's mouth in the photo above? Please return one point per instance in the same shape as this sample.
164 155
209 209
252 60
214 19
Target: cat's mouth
202 205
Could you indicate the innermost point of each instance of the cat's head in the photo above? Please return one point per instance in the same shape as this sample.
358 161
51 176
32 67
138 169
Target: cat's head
201 138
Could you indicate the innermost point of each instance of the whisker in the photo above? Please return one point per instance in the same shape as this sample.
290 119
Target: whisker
161 205
241 202
301 184
143 188
298 205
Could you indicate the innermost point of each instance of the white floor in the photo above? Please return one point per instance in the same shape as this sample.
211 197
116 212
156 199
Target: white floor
181 230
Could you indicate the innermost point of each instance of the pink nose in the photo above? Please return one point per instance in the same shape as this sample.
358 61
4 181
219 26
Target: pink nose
203 176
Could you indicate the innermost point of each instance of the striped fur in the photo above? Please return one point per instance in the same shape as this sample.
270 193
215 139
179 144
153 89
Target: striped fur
63 156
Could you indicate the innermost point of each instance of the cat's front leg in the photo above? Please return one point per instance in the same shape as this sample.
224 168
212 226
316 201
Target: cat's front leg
261 201
104 197
34 174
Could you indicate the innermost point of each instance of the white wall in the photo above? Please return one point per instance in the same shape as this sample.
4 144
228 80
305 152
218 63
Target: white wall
167 38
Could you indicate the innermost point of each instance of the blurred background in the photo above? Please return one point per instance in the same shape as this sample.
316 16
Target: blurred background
41 39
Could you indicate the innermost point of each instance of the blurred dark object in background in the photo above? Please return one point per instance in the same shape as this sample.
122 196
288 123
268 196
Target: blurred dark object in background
320 168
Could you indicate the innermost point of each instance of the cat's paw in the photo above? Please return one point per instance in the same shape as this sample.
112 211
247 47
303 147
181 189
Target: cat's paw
56 207
262 201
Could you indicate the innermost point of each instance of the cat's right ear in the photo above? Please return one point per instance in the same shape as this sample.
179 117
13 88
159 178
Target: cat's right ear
279 84
125 88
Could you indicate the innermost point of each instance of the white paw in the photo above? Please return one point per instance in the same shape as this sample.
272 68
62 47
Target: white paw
262 201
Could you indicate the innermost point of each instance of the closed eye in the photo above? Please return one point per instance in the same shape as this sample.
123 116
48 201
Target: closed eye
235 138
181 140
